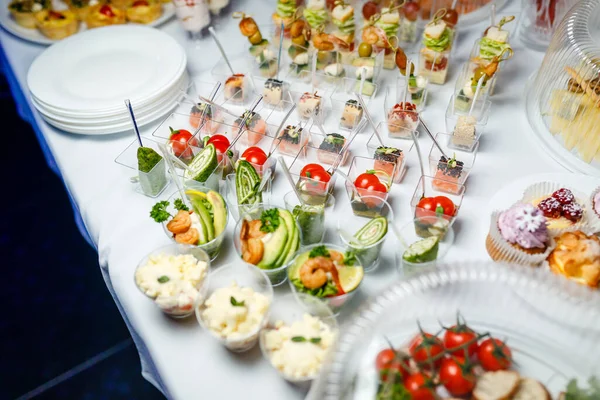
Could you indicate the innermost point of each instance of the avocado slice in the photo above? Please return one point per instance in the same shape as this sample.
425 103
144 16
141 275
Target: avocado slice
274 247
219 211
293 236
205 219
294 270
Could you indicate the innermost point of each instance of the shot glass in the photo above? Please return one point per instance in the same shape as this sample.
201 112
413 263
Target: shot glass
238 206
252 137
401 117
293 137
310 217
365 242
390 150
244 276
434 65
312 190
330 146
450 174
465 128
417 251
237 88
367 202
466 85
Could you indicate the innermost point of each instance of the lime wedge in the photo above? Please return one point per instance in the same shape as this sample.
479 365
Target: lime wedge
350 277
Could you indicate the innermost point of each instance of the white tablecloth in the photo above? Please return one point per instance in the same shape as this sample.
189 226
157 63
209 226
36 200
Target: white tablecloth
179 357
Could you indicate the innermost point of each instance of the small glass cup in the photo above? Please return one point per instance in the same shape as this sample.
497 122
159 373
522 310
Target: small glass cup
277 275
329 146
237 88
310 217
313 105
466 85
266 141
426 189
405 146
449 175
179 305
466 129
434 65
235 207
245 276
292 308
213 247
313 191
293 137
417 90
409 235
349 224
374 200
151 183
399 120
335 303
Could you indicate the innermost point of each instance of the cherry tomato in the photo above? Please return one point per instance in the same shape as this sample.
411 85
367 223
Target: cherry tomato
309 168
417 386
457 377
140 3
180 141
106 10
411 11
388 364
438 205
424 347
255 155
458 335
451 17
369 9
220 142
370 182
494 355
315 178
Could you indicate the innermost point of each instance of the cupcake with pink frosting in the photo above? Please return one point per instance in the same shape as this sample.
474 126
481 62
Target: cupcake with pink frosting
519 235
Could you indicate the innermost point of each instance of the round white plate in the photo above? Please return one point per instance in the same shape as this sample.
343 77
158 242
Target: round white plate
96 70
33 35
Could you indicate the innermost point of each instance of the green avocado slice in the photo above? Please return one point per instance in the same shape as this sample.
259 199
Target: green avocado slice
219 212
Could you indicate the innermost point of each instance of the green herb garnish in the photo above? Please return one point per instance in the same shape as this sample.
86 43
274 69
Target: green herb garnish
315 340
298 339
269 220
163 279
319 251
180 205
236 303
350 258
159 211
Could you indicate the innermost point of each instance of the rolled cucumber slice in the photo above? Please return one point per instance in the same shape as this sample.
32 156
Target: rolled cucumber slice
423 251
372 232
203 165
247 181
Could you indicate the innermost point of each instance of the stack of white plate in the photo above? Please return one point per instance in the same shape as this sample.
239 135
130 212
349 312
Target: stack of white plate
79 84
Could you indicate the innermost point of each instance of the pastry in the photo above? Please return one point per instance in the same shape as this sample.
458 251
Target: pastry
519 235
561 209
104 15
57 25
577 256
144 11
81 8
23 11
351 115
234 88
120 4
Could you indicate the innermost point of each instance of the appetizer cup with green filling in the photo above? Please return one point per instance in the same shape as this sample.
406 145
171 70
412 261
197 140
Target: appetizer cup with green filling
234 303
326 271
267 236
247 189
310 217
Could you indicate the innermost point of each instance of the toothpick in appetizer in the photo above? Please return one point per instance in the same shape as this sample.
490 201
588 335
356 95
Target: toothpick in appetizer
435 53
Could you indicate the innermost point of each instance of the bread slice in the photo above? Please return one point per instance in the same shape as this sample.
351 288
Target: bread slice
498 385
530 389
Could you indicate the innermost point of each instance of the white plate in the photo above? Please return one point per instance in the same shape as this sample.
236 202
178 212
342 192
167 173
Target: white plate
96 70
35 36
121 116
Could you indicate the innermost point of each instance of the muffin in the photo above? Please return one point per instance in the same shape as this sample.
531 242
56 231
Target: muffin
57 25
23 11
144 11
577 256
104 15
519 235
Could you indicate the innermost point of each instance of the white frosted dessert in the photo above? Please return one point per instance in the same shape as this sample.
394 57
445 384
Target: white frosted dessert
172 281
299 350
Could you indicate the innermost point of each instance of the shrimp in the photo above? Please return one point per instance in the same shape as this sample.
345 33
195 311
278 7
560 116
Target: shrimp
254 231
180 223
252 250
322 41
372 35
313 272
191 236
336 256
244 230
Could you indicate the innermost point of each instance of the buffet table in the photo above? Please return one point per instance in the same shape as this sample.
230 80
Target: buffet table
185 362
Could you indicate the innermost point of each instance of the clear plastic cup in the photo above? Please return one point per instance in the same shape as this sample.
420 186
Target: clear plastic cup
404 146
245 276
313 191
400 120
329 145
409 235
426 189
466 129
335 303
179 304
434 65
235 207
213 247
349 224
466 85
241 94
289 309
345 114
309 217
417 90
450 175
370 205
276 275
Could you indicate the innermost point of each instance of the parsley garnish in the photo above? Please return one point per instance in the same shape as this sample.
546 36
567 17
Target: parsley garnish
180 205
301 339
319 251
350 258
315 340
236 303
163 279
269 220
159 211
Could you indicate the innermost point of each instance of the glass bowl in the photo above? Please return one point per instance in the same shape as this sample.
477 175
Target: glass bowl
292 308
245 276
488 297
180 302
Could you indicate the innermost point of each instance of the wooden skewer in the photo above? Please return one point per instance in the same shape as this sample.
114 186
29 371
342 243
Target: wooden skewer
584 85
